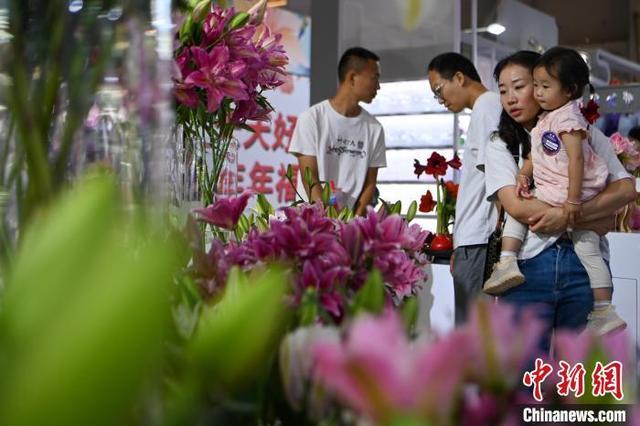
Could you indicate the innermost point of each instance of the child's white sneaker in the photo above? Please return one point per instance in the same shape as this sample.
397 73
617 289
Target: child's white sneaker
505 275
604 321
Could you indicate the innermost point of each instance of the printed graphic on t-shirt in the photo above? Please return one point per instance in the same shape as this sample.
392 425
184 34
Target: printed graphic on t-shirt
347 146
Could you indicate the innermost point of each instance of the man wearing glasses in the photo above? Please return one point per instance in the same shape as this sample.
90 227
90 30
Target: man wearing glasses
456 84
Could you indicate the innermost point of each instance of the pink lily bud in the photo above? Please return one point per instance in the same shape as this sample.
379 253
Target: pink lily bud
201 10
257 12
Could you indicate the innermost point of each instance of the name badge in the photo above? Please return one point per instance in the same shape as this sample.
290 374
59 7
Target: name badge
550 143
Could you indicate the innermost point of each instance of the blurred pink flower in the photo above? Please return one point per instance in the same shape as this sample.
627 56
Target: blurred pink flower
372 369
296 369
627 150
501 342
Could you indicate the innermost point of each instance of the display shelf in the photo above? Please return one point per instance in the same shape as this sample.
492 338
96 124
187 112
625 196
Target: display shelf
421 130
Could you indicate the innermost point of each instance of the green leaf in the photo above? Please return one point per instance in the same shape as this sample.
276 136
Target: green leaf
264 207
186 29
243 224
235 335
411 212
404 420
370 298
289 174
326 193
308 179
262 223
239 20
84 313
409 312
308 310
201 10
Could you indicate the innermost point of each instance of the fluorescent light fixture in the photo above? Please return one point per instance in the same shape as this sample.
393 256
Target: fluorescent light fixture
493 28
496 28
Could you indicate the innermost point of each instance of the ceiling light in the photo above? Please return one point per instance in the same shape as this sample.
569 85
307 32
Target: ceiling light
493 28
496 29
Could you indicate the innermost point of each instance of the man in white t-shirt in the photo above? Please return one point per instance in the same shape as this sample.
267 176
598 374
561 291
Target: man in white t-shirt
456 84
339 141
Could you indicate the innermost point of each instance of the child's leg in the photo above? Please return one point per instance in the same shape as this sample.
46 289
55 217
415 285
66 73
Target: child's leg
506 273
512 236
587 246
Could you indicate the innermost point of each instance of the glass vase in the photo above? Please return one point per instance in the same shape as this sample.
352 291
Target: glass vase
228 180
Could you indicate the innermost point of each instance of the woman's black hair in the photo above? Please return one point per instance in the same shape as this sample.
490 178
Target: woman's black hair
568 67
511 132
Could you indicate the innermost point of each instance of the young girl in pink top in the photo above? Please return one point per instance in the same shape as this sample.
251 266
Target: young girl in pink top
566 172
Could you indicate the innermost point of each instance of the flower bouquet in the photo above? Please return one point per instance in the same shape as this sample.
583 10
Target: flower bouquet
445 202
225 61
330 259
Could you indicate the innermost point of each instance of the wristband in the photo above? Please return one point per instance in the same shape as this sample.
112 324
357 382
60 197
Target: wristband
573 203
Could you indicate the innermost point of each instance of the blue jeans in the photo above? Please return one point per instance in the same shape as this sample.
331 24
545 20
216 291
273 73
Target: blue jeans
557 287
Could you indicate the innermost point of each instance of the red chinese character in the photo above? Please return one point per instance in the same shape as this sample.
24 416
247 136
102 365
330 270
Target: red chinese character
260 178
287 192
280 130
536 377
571 379
607 379
258 129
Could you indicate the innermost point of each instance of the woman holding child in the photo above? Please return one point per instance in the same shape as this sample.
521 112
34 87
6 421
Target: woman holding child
555 280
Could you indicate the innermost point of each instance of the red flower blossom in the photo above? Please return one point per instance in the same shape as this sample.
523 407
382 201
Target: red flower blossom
419 168
436 165
590 111
452 188
455 162
426 203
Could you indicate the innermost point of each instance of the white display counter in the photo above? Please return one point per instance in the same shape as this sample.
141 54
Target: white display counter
437 303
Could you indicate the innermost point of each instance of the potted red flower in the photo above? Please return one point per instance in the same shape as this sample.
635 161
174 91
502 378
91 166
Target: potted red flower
445 202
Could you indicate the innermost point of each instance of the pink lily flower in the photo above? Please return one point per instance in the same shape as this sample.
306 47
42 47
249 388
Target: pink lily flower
213 76
372 370
225 212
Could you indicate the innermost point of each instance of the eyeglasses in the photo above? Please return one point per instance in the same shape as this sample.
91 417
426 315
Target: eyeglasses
437 92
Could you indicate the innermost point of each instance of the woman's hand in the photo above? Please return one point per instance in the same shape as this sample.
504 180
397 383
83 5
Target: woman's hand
551 221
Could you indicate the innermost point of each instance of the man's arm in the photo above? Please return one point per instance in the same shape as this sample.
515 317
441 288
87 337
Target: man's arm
367 191
598 213
616 195
313 190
